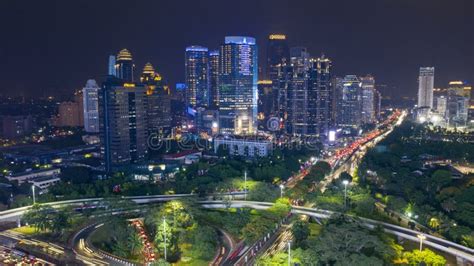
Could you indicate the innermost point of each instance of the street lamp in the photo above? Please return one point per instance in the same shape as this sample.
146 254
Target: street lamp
345 182
281 190
421 237
33 191
164 233
245 185
289 253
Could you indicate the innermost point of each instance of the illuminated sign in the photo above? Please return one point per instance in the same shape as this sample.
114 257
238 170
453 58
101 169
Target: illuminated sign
277 37
265 82
129 85
332 135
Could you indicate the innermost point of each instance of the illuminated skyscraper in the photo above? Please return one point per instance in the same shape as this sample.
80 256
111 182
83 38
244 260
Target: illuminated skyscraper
377 104
265 102
214 78
367 98
460 88
295 84
124 66
349 103
112 71
90 95
425 87
158 100
277 52
197 76
320 97
238 75
122 122
457 104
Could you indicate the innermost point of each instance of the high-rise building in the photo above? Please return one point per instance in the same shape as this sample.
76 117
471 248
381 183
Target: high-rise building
277 52
90 95
68 115
295 83
320 97
265 102
441 103
207 122
15 126
214 78
178 104
349 103
460 88
377 104
197 76
122 122
367 99
457 104
124 66
158 100
112 70
238 75
425 87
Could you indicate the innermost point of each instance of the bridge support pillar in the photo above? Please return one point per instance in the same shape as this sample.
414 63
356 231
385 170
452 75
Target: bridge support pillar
18 222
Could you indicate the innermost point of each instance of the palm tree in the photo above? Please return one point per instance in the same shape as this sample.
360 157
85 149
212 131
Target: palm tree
449 205
134 243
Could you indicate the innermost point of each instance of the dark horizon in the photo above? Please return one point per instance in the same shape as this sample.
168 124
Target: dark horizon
53 47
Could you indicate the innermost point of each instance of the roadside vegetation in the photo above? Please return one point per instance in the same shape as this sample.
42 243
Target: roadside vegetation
408 173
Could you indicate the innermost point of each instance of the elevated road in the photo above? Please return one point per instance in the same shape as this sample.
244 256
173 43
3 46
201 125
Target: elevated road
449 247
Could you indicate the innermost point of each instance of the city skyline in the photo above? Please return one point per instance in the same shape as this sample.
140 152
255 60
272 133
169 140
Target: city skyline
76 45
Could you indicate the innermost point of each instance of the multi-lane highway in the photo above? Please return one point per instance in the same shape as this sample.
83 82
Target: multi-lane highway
431 241
344 159
459 251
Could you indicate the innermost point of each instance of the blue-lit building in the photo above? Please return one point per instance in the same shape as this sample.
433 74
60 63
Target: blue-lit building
320 97
349 101
197 76
214 78
294 92
111 69
238 93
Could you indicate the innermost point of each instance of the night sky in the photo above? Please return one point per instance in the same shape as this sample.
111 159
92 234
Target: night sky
49 47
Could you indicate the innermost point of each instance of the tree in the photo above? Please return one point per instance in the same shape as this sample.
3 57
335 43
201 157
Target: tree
364 204
223 150
59 221
38 216
434 223
342 238
45 218
449 205
345 176
263 192
323 166
281 258
281 207
256 229
164 232
425 256
134 243
203 242
160 262
440 178
300 232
